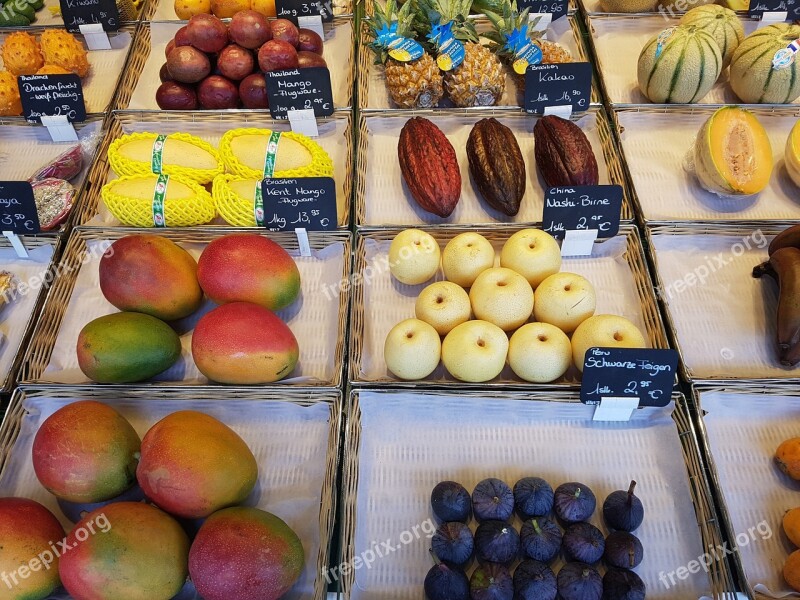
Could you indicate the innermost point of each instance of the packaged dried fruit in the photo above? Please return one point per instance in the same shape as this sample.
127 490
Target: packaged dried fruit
54 199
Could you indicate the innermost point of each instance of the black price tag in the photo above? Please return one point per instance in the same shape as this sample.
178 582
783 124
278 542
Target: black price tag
647 374
89 12
307 202
558 8
293 9
582 207
791 7
18 208
52 95
561 84
298 89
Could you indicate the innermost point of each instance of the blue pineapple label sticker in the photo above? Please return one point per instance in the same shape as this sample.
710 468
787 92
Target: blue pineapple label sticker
258 205
272 154
157 159
785 57
451 51
662 39
159 194
525 51
400 48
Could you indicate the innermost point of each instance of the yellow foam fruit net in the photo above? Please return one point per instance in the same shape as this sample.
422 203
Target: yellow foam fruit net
205 153
320 164
236 209
131 200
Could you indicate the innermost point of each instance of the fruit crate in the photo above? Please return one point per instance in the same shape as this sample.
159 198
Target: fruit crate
663 190
295 437
164 10
335 138
137 89
400 443
19 316
617 41
105 68
382 198
740 429
373 95
318 318
722 319
617 268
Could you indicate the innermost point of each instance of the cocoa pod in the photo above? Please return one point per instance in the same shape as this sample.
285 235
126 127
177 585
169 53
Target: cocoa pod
563 154
429 166
496 165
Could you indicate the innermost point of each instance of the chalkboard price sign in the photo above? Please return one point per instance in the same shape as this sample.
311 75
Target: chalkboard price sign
582 207
292 9
558 8
561 84
791 7
647 374
89 12
52 95
307 202
297 89
18 208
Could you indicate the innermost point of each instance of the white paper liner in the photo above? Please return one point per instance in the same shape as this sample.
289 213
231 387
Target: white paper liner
409 443
654 144
703 312
290 443
14 317
338 55
100 84
333 137
388 201
377 96
744 430
313 319
618 41
387 301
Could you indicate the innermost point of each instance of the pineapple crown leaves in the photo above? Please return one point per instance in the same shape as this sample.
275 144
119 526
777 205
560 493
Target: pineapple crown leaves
430 13
512 29
386 20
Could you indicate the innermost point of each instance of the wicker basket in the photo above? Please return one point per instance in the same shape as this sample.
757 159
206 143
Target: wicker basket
370 163
165 399
210 126
739 230
633 255
142 68
369 74
720 580
60 299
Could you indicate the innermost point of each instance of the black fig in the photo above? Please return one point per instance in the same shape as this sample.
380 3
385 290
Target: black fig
623 550
579 581
491 582
534 580
533 497
623 510
540 539
574 502
493 500
446 583
583 542
621 584
453 543
497 542
450 501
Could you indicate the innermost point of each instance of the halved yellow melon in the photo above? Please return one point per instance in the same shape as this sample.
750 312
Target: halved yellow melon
793 154
732 154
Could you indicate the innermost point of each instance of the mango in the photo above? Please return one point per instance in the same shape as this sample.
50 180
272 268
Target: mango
86 452
248 267
243 343
193 465
150 274
28 531
126 347
242 553
125 551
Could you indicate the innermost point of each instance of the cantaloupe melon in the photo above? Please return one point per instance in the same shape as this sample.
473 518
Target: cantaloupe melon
793 154
754 77
720 22
732 154
628 6
679 65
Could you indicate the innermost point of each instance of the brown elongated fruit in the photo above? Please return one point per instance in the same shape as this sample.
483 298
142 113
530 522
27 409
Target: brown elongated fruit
429 166
784 267
563 154
496 165
788 238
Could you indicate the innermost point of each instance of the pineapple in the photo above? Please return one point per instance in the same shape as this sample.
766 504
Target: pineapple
480 79
411 83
